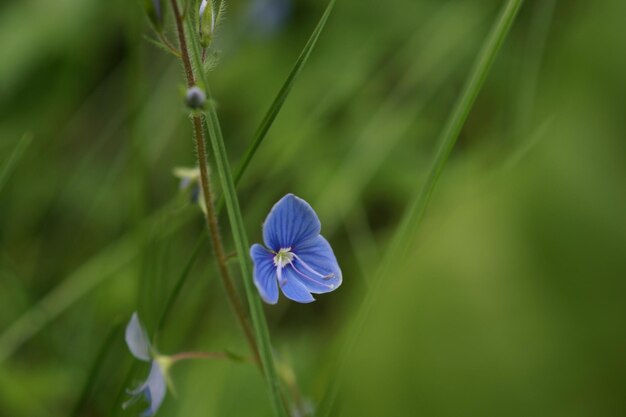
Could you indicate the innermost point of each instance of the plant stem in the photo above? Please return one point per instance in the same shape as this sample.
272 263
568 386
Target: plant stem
198 355
211 217
214 132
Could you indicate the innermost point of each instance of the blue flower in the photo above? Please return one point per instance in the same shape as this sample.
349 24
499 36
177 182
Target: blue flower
296 256
153 389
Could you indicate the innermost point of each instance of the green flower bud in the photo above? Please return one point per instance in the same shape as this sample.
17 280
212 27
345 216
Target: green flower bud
208 19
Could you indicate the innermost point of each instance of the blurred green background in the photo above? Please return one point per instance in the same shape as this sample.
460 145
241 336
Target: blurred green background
510 303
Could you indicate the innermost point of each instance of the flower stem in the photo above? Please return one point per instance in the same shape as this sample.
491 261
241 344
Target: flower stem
211 217
197 355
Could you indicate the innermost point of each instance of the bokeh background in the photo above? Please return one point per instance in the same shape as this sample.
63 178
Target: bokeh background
511 300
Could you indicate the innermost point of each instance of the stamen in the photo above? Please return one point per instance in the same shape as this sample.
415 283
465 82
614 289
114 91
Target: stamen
283 257
279 273
329 286
313 271
132 400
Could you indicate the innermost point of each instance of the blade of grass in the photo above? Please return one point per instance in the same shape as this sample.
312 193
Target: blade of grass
430 66
14 158
88 276
284 91
82 281
259 136
415 212
533 56
241 246
95 369
180 282
232 203
240 239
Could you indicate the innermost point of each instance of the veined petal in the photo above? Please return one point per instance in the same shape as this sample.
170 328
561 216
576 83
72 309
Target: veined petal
264 273
137 339
316 266
156 388
290 222
293 288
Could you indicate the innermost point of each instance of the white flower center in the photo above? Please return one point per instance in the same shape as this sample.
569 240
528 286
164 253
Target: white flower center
283 257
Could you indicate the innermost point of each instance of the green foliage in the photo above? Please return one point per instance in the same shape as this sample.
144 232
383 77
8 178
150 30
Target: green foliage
507 299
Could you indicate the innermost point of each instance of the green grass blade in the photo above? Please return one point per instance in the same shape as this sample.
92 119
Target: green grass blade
241 243
14 158
415 212
284 91
533 57
180 282
81 282
455 123
232 203
241 246
96 368
259 136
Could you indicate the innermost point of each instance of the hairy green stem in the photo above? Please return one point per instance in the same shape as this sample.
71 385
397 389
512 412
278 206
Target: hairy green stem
207 193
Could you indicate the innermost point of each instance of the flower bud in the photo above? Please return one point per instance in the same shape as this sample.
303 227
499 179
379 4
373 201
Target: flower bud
195 97
209 15
154 10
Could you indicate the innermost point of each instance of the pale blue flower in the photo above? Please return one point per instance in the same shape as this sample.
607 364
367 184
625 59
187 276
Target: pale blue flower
296 257
153 389
190 179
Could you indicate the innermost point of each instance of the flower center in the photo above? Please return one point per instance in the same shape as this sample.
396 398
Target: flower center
283 257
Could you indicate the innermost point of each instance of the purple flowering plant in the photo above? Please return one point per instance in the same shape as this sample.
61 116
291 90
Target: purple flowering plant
295 257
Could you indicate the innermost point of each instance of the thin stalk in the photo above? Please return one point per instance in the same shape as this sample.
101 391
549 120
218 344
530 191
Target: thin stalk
240 239
207 193
241 243
198 355
241 246
280 98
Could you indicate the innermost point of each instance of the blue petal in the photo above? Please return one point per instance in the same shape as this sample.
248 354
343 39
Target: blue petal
156 388
316 266
293 288
137 339
264 273
290 222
